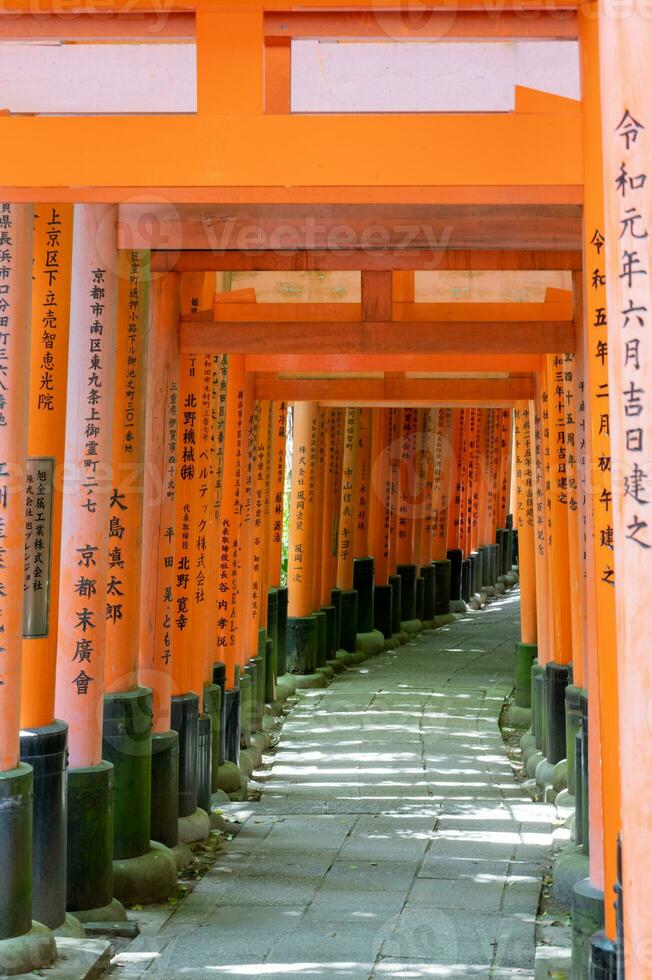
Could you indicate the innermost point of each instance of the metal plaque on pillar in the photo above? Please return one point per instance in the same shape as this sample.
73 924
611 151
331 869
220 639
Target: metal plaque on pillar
39 486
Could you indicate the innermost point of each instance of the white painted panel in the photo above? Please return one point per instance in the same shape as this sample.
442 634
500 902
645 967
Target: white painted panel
550 66
98 78
440 76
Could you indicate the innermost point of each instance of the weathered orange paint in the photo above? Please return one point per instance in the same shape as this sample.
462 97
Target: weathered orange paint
361 530
127 459
87 486
158 575
14 348
348 499
301 544
48 375
524 519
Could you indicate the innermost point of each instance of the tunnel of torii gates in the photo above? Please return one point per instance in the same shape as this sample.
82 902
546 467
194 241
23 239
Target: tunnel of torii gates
144 411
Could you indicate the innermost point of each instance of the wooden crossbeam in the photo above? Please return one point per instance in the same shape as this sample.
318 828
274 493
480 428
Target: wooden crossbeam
381 337
394 24
318 260
390 390
351 227
383 363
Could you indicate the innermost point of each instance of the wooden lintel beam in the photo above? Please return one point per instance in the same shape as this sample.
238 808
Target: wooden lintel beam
395 390
393 24
79 25
384 363
383 337
317 260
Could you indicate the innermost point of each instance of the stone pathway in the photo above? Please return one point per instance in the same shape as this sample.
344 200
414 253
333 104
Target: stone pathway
391 839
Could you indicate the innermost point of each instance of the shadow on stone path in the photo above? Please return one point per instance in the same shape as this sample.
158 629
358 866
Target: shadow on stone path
391 839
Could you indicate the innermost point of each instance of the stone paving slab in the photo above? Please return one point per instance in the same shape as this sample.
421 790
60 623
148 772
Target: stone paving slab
390 839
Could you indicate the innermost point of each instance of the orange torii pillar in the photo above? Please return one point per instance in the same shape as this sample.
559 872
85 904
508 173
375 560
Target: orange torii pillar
44 738
229 633
141 873
157 561
188 633
326 532
474 423
256 600
598 814
406 567
460 573
380 493
346 530
577 558
84 561
625 73
331 531
441 560
426 514
215 669
248 417
24 945
363 561
204 595
526 650
277 603
302 625
321 617
549 705
395 428
483 499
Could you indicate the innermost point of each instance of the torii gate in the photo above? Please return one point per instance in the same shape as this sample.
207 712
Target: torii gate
245 184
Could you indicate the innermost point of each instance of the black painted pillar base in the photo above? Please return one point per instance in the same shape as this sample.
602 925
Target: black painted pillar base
467 578
127 744
232 726
16 848
219 678
336 602
587 918
476 565
164 825
185 722
603 958
246 685
349 627
427 573
45 750
321 647
573 710
455 557
272 634
204 762
485 552
270 671
213 708
537 706
524 656
383 610
408 574
331 624
302 645
363 583
396 583
90 841
420 598
442 587
271 653
557 682
281 630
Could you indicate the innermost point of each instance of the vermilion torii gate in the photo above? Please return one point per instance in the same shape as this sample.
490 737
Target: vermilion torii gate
143 432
